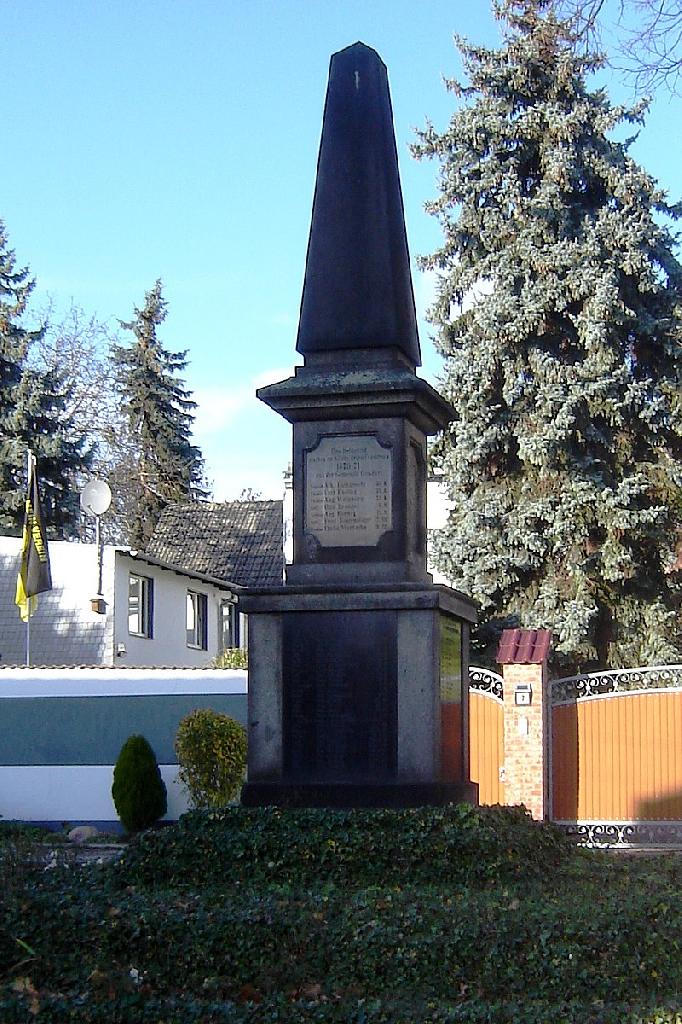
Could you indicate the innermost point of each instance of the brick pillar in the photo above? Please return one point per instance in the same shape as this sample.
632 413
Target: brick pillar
523 656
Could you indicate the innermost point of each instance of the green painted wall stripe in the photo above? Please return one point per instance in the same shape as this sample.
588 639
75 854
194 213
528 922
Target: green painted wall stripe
92 730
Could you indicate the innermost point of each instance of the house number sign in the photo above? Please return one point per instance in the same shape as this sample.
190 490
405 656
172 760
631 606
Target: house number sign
348 491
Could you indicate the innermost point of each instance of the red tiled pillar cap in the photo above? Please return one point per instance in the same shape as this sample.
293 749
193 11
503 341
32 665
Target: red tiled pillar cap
524 646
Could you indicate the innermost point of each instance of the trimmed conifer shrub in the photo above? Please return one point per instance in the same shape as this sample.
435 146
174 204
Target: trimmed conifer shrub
138 791
211 751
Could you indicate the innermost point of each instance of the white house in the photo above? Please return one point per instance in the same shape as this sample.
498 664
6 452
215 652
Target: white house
146 613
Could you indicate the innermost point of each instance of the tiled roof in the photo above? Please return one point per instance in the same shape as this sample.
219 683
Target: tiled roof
237 541
183 570
523 646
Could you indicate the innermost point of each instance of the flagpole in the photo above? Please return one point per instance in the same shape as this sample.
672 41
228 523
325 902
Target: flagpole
29 465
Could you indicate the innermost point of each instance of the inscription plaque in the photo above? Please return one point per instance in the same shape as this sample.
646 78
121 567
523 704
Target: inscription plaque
340 695
450 659
348 491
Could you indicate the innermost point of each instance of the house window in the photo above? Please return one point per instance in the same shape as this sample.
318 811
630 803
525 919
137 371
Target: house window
140 605
197 618
229 625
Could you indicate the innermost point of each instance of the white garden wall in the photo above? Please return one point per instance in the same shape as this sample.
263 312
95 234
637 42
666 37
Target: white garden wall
61 731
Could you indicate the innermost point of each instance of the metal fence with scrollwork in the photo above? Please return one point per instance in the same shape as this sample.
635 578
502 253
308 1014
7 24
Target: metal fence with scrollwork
485 681
616 752
616 758
620 680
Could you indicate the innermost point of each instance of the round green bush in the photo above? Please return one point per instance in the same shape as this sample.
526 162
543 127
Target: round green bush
232 657
138 791
211 752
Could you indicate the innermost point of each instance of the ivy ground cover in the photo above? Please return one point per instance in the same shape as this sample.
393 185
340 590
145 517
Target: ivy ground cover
430 915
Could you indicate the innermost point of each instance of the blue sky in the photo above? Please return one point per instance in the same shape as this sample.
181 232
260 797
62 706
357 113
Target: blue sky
178 139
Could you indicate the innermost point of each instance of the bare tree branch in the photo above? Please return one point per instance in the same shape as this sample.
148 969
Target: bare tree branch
649 38
653 47
584 16
77 346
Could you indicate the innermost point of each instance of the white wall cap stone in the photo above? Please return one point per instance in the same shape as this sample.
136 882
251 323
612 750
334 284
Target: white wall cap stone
106 682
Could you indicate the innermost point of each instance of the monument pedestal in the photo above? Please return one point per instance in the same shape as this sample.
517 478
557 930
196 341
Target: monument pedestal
358 696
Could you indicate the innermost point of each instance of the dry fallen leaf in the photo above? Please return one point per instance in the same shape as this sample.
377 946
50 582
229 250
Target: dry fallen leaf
249 994
25 987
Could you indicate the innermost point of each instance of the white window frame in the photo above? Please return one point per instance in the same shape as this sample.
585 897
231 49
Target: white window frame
228 625
196 620
144 612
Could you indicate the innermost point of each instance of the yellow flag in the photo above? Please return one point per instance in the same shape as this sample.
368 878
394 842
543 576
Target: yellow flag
34 575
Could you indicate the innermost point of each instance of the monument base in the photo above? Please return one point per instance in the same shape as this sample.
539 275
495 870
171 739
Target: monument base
348 795
358 696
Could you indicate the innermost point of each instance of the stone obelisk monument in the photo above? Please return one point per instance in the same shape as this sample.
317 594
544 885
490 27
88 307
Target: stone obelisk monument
358 665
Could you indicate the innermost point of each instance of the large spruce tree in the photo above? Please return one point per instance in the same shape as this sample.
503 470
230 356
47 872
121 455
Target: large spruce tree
34 415
559 318
160 414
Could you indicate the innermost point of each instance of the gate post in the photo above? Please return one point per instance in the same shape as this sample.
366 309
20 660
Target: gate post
523 655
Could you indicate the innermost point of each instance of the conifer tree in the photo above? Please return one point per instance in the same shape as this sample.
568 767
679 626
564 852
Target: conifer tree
559 318
160 414
33 414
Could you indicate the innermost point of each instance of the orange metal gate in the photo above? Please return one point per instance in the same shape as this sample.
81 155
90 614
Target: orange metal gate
486 745
615 747
618 757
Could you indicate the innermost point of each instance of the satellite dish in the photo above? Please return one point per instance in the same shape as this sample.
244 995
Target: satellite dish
96 497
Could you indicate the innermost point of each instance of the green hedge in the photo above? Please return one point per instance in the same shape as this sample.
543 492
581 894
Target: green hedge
442 956
185 1009
477 916
360 847
466 945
